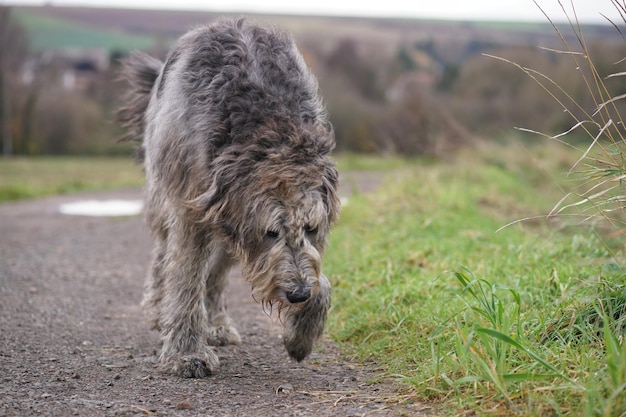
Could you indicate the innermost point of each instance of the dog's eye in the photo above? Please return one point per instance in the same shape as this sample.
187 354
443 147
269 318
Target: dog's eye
272 234
311 230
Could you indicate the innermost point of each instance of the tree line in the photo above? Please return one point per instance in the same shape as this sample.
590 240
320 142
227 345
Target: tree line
410 101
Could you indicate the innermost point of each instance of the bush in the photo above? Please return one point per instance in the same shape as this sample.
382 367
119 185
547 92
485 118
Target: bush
69 124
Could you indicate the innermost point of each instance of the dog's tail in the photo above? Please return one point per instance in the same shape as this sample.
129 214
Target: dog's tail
140 71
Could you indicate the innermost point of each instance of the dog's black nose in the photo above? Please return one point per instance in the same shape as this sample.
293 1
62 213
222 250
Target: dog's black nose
300 295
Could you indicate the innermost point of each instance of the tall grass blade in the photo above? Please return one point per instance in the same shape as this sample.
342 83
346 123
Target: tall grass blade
515 343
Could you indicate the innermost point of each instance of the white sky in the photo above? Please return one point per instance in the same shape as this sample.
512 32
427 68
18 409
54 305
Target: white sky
588 11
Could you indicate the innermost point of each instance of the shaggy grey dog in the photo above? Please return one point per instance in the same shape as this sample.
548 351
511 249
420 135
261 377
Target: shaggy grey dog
235 143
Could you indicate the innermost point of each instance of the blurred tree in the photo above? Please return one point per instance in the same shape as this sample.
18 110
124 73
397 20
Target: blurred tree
490 96
346 61
406 128
419 124
448 77
5 103
405 60
13 52
69 123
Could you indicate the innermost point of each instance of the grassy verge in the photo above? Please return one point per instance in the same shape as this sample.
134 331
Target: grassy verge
22 177
525 321
35 177
356 162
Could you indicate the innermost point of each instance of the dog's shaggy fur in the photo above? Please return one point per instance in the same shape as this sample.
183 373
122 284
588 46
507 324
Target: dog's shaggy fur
235 142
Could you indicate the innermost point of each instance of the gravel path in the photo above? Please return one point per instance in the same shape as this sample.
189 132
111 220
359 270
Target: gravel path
73 339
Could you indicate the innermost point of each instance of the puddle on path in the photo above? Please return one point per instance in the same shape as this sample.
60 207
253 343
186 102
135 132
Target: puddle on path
102 208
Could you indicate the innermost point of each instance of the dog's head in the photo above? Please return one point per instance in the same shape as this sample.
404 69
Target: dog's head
283 258
272 200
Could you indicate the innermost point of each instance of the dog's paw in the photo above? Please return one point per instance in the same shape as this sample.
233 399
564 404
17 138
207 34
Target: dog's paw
199 365
223 335
298 348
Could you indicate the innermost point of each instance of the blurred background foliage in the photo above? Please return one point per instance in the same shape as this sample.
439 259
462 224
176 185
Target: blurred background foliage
392 86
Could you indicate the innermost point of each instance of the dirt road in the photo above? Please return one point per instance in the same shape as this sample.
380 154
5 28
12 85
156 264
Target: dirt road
73 339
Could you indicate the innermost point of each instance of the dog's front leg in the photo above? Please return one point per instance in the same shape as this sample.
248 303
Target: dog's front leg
303 326
184 318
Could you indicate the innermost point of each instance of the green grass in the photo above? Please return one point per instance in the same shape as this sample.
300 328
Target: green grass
525 321
22 178
356 162
48 32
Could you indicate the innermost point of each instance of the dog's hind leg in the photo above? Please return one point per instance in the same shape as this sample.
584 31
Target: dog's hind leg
153 291
184 320
221 329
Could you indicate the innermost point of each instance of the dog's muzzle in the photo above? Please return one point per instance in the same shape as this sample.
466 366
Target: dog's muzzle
299 295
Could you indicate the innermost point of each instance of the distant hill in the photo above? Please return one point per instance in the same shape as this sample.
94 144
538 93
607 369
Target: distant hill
48 31
124 29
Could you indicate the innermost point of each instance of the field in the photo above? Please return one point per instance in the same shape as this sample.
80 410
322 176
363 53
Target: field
36 177
526 320
49 32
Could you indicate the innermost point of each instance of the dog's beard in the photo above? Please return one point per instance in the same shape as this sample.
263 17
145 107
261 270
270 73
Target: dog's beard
280 271
303 322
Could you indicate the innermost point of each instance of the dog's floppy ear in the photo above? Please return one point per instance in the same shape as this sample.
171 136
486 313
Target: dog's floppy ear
204 201
223 192
211 201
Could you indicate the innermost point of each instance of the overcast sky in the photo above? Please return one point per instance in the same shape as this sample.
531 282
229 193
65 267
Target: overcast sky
588 11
